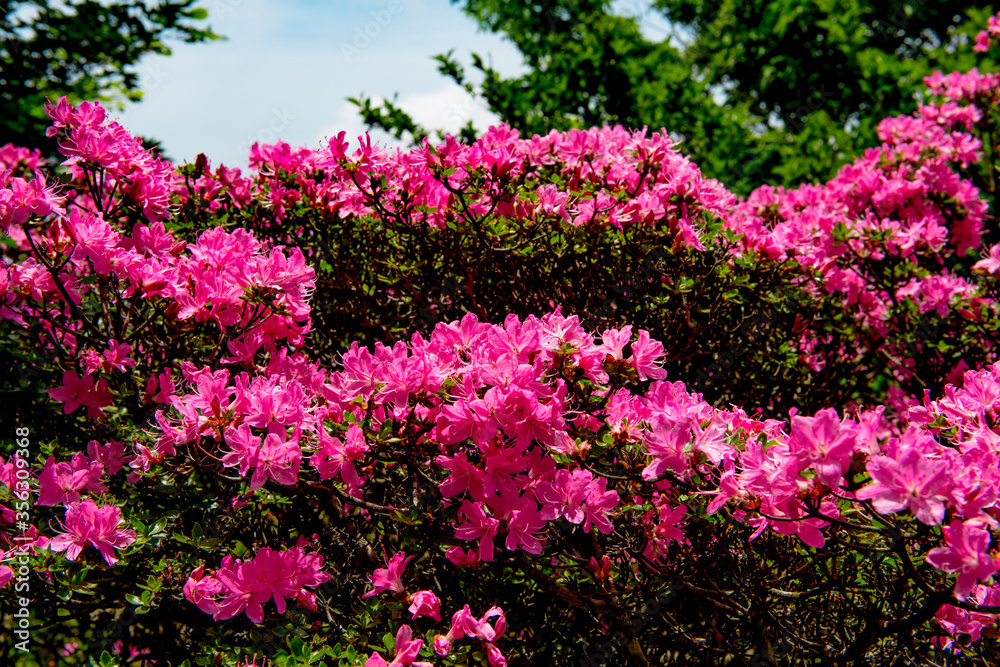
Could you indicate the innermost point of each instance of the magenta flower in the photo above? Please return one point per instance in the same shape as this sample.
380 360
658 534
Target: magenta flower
565 495
459 557
425 603
991 263
957 621
822 443
442 645
239 586
62 482
647 357
967 554
464 624
389 578
86 523
273 458
478 526
336 456
407 650
76 391
915 481
202 590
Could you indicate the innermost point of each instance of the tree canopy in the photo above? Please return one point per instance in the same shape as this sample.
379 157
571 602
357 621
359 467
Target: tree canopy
761 91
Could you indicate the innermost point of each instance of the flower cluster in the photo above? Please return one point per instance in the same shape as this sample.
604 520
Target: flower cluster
238 586
87 523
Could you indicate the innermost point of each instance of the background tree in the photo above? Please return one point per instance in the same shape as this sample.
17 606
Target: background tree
84 50
763 91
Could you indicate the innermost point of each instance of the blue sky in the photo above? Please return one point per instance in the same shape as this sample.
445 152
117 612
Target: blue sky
288 67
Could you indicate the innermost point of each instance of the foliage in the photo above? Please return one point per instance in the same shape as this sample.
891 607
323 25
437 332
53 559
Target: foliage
804 84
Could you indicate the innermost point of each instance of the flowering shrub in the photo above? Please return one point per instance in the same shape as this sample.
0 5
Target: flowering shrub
620 228
565 478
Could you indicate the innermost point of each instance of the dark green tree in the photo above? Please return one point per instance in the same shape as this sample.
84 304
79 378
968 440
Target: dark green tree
759 91
82 49
825 71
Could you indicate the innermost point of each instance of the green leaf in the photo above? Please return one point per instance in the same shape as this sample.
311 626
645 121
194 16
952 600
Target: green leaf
298 648
158 526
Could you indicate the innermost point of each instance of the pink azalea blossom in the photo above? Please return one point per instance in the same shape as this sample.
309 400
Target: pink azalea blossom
407 649
966 553
425 603
390 577
272 457
61 483
915 480
76 391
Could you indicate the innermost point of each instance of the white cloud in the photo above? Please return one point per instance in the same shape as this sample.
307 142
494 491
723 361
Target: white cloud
449 108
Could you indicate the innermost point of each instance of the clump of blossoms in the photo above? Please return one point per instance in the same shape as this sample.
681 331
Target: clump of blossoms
529 465
238 586
88 524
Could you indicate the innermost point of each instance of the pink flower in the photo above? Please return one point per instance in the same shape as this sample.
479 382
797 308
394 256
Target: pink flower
202 590
666 443
442 646
464 624
117 356
647 357
967 553
425 603
110 455
273 458
459 557
916 481
598 506
76 391
62 483
478 526
86 523
389 578
668 528
957 621
336 456
991 263
496 658
565 495
822 443
614 341
407 649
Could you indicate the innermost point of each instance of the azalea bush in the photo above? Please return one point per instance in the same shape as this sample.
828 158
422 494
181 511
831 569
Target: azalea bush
372 409
826 295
